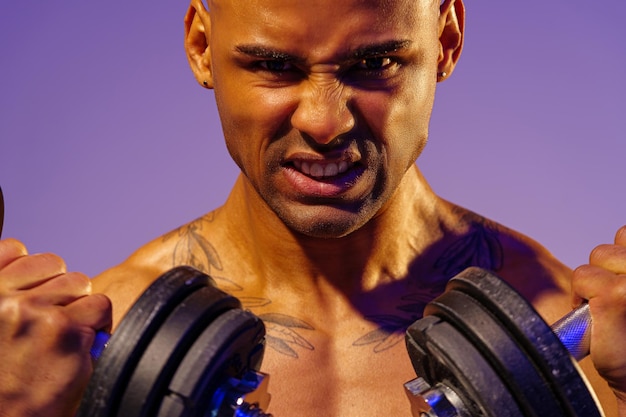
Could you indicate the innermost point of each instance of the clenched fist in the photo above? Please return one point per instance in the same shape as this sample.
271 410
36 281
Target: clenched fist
603 283
48 320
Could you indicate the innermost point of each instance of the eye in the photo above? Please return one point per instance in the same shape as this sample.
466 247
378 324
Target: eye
275 65
377 63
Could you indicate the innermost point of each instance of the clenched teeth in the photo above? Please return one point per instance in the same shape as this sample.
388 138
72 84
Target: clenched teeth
322 169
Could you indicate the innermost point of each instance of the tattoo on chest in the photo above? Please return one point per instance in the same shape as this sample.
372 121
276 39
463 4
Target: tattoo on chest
478 246
391 327
282 333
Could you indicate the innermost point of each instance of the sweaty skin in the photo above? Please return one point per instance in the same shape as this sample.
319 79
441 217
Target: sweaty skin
331 234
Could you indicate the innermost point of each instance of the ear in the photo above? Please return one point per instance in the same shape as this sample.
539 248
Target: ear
197 34
451 35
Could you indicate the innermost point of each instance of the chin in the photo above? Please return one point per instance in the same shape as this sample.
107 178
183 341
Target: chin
326 230
332 224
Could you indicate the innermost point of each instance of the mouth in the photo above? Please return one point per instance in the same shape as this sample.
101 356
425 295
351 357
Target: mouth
331 178
322 169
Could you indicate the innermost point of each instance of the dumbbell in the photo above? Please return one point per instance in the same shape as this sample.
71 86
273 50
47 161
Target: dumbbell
184 349
482 350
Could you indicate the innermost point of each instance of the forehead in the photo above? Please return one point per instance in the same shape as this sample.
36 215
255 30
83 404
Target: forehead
305 3
260 8
323 22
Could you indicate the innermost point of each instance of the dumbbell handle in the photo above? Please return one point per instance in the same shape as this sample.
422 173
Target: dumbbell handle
574 331
99 343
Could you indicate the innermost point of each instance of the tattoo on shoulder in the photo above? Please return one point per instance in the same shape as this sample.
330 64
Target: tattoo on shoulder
283 332
479 246
192 248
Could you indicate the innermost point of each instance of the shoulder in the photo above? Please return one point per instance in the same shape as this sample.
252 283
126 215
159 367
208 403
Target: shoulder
528 267
185 245
517 258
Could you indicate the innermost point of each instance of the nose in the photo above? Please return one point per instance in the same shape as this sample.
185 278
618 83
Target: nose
323 112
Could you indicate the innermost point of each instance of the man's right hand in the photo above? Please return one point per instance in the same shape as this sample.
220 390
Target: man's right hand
48 320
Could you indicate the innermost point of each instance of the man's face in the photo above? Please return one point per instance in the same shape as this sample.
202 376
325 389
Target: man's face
325 104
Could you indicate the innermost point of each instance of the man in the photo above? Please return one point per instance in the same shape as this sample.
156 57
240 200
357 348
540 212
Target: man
329 233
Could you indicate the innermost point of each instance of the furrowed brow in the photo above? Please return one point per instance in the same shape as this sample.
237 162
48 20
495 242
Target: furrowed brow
379 49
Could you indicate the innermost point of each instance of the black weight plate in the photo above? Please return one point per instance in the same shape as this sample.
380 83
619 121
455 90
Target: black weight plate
441 354
500 349
534 335
110 376
232 344
1 210
148 384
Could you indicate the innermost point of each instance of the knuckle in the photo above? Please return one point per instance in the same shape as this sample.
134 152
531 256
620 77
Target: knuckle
599 253
64 330
97 311
11 249
581 272
609 256
584 280
12 310
51 261
22 312
620 236
612 302
54 318
619 294
102 303
11 245
21 318
78 281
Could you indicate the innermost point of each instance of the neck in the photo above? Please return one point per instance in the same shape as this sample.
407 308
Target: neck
376 253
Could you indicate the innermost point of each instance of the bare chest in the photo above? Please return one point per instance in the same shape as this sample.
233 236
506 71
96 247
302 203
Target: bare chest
332 380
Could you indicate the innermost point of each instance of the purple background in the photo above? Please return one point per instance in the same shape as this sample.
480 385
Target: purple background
107 142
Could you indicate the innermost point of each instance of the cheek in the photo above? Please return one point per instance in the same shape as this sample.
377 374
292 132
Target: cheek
247 106
251 120
399 121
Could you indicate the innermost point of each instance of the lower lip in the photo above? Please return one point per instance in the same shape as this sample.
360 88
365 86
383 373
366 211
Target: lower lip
325 186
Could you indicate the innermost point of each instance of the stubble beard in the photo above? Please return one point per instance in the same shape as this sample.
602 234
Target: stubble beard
325 220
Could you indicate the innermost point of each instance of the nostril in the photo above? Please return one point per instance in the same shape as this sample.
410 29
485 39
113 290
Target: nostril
323 123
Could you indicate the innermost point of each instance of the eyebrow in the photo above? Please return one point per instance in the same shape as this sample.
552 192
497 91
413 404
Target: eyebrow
258 51
379 49
363 51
